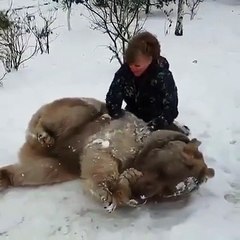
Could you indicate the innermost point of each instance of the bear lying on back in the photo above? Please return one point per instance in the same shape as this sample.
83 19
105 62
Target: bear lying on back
119 160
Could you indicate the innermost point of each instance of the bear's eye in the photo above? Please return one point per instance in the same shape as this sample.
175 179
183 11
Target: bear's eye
190 167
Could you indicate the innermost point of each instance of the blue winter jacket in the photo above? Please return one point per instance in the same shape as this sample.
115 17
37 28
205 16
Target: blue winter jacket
152 97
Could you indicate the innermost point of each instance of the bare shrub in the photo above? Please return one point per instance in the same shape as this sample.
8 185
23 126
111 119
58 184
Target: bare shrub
15 47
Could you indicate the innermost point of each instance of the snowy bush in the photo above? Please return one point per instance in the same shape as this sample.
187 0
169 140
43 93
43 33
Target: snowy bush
41 29
15 37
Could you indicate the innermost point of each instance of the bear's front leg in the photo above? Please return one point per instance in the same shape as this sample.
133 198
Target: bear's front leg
103 191
123 192
116 191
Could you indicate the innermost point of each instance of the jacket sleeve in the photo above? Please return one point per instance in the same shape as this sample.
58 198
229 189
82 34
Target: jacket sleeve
168 98
114 97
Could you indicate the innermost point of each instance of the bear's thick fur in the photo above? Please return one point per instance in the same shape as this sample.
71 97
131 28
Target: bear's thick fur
118 160
54 141
172 166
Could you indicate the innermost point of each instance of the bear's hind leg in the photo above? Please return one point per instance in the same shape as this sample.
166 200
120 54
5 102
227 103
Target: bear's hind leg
39 171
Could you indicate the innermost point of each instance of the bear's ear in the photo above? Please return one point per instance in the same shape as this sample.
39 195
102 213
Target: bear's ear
210 172
196 142
190 149
191 154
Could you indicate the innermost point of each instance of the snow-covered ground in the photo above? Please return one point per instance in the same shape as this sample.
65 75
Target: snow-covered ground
78 65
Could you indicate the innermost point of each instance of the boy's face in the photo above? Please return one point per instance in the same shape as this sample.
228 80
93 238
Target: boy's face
141 63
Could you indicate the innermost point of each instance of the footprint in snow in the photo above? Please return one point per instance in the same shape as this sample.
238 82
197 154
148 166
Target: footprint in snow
234 196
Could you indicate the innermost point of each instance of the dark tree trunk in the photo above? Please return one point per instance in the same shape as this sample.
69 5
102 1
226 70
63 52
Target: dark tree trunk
147 10
180 14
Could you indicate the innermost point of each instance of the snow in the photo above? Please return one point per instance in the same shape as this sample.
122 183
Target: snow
103 143
205 64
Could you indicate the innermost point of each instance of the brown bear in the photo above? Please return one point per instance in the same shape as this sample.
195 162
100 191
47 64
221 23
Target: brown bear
118 160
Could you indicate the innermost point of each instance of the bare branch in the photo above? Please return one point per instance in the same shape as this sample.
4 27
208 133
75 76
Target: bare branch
14 43
193 6
119 19
1 83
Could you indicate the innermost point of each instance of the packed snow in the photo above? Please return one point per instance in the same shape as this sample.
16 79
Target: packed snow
205 63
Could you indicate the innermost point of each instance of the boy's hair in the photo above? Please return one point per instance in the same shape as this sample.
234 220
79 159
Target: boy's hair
142 43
